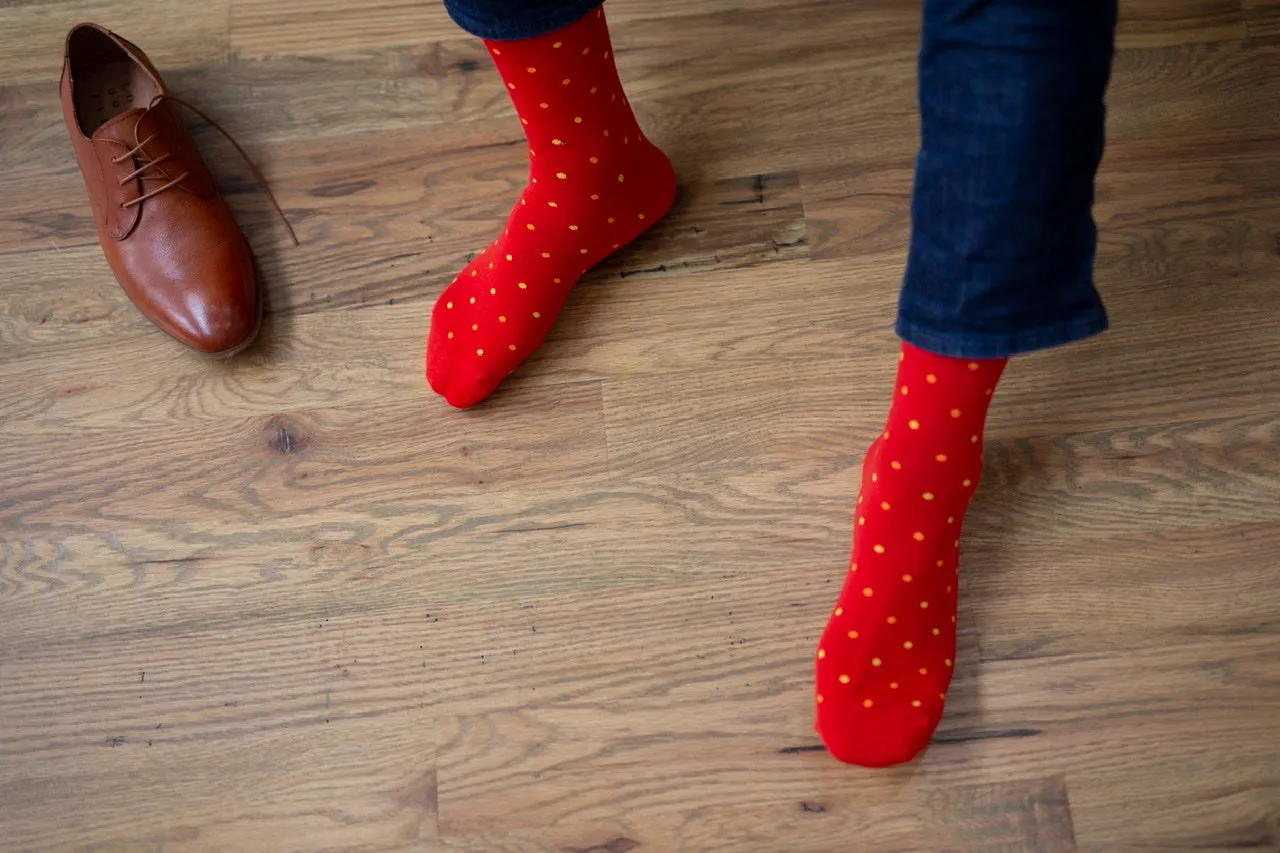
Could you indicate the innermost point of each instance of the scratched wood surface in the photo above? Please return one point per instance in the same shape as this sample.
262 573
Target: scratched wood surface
291 602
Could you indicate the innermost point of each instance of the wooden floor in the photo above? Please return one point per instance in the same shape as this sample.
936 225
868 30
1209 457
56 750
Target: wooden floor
292 602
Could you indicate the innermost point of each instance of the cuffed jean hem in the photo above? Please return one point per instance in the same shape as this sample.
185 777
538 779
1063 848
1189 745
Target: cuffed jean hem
473 18
1001 345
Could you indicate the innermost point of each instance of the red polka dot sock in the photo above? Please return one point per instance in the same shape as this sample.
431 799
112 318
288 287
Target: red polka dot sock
886 657
595 184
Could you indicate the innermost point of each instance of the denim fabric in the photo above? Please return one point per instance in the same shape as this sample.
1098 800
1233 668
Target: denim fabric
1012 121
507 20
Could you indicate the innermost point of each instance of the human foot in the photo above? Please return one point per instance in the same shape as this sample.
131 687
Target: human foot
886 657
595 184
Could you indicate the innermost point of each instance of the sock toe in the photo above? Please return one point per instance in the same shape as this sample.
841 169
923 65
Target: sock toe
883 735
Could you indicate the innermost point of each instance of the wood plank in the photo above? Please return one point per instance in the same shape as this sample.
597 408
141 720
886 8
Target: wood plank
294 735
1148 23
1262 18
180 34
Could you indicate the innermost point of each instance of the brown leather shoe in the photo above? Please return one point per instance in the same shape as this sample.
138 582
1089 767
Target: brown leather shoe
168 235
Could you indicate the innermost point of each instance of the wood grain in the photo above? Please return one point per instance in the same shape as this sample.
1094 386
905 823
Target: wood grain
292 602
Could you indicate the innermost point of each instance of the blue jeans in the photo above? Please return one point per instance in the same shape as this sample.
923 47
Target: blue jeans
1012 129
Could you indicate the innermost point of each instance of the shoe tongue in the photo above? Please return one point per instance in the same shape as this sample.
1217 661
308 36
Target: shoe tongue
121 128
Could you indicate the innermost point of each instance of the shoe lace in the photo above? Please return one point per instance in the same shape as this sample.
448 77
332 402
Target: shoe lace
146 162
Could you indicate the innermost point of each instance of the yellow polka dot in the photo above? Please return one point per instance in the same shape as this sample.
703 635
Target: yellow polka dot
610 220
557 44
640 215
511 347
493 291
497 52
511 85
451 336
475 327
868 591
886 435
556 142
510 258
942 696
906 578
606 131
819 697
990 391
927 496
913 424
867 703
546 254
564 82
862 519
524 121
561 175
948 587
939 564
621 178
853 567
953 620
893 685
875 661
955 413
479 352
957 543
531 70
967 483
973 439
582 251
502 318
892 620
908 644
585 51
884 505
941 457
897 466
924 671
544 105
448 305
947 661
936 632
594 90
843 679
904 390
879 549
853 635
556 280
821 654
522 285
915 703
931 379
973 365
536 315
839 611
951 519
918 536
473 300
924 605
491 265
473 273
577 119
523 201
573 227
875 478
